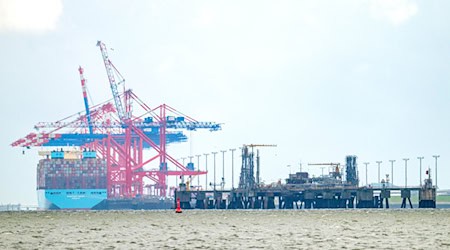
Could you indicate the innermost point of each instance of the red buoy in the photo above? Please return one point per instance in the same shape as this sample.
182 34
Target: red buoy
178 209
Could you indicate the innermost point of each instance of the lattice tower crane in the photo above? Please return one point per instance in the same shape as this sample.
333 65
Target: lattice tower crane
110 70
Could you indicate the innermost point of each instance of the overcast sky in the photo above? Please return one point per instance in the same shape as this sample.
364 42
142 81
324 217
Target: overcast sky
321 79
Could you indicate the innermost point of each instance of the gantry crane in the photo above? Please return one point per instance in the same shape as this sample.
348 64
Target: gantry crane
119 137
162 119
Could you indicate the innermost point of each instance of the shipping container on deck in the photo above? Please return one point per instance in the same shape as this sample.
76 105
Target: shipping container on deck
71 180
71 173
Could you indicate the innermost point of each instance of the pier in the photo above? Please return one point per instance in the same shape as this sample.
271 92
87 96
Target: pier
311 198
301 191
285 197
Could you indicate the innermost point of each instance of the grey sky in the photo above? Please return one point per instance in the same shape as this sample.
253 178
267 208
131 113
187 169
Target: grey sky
321 79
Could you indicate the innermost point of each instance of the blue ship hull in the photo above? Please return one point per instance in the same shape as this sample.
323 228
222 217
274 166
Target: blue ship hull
51 199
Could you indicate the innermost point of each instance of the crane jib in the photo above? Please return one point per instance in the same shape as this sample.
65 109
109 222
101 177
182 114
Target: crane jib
110 69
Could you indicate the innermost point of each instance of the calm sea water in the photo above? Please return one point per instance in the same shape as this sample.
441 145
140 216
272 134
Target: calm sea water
207 229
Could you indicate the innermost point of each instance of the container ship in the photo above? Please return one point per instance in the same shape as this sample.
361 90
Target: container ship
77 180
71 180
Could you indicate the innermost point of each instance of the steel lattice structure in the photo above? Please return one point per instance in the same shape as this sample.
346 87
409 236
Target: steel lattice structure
120 136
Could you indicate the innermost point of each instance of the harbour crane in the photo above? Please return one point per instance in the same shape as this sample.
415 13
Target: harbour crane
86 103
110 70
119 137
